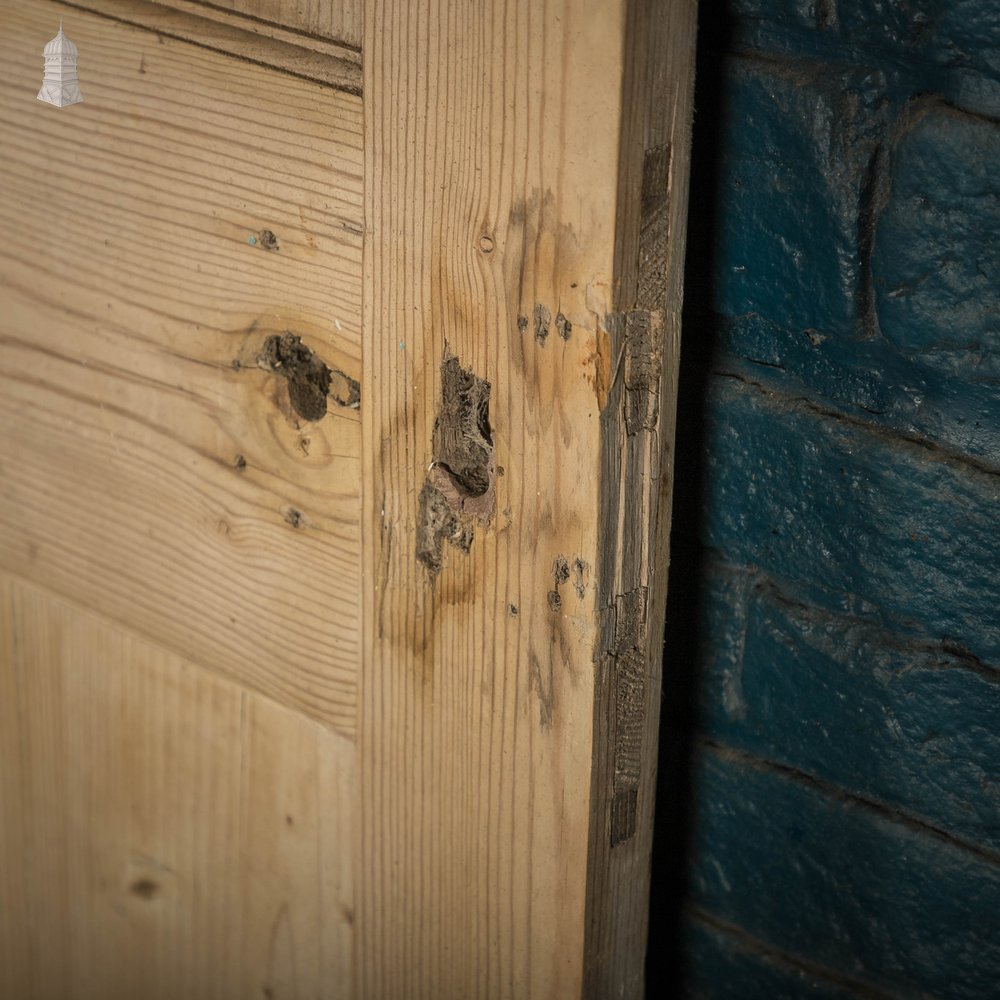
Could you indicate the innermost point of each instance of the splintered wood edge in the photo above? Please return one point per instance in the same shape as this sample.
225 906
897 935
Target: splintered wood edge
638 425
260 42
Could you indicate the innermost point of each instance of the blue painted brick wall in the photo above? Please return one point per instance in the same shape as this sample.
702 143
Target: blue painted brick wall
840 513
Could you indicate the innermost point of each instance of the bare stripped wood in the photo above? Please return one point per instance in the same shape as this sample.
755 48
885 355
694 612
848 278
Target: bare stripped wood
223 30
165 833
492 161
516 267
162 232
309 19
638 427
456 800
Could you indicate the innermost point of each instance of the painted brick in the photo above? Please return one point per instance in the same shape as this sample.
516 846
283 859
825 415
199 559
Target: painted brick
846 886
905 724
936 261
788 13
726 968
924 275
887 31
853 303
951 47
854 521
792 182
963 35
869 380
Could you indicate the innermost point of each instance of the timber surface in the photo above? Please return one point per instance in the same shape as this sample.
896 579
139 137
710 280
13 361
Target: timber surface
637 486
207 597
148 468
338 20
493 135
164 832
179 547
312 57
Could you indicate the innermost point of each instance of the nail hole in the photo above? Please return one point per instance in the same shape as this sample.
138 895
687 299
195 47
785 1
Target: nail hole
144 888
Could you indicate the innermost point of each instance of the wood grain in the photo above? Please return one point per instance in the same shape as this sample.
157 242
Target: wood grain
157 235
512 631
417 754
491 161
249 39
638 428
310 19
165 833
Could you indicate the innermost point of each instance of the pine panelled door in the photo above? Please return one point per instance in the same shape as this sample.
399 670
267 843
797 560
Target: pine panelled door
338 354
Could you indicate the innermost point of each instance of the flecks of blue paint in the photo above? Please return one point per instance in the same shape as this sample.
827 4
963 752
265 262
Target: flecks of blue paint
402 346
252 240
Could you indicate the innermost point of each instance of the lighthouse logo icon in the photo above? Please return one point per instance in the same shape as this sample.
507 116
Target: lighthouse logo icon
60 86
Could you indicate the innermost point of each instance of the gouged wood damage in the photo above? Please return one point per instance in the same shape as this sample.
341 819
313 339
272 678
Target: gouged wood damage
460 488
637 414
632 423
628 665
310 380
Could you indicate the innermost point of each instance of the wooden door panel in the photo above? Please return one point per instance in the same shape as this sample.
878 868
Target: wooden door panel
336 416
175 835
191 209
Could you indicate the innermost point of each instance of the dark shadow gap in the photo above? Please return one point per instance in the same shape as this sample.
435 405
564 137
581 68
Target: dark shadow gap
665 963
